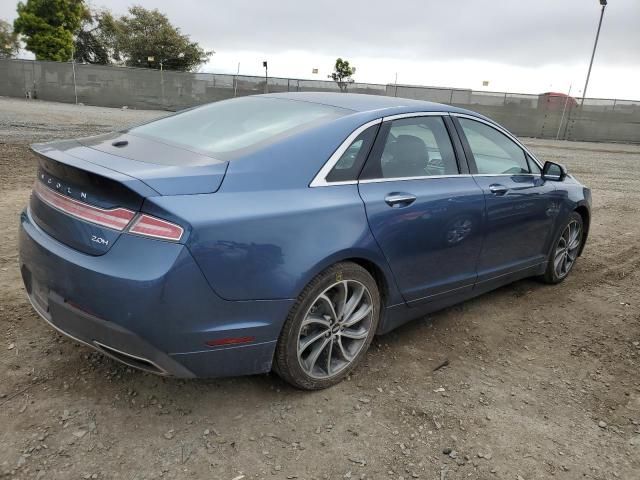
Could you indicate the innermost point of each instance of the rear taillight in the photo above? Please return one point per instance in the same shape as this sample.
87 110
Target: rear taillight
154 227
116 218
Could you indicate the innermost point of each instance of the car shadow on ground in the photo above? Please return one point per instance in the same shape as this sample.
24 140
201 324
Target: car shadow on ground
98 372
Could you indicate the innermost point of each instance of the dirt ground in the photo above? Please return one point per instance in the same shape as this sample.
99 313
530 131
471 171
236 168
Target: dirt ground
543 381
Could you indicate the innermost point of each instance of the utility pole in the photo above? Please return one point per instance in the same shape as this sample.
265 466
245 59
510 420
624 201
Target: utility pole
593 54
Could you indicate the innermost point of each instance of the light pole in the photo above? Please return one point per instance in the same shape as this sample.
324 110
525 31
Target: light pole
593 54
162 60
266 77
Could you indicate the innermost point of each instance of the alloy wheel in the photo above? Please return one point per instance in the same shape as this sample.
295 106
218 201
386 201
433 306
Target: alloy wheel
567 249
335 329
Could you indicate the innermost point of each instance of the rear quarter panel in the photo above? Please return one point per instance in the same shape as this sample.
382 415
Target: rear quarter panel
265 233
269 244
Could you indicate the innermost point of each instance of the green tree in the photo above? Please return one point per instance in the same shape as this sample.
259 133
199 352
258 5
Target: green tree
146 38
48 26
9 43
95 39
342 73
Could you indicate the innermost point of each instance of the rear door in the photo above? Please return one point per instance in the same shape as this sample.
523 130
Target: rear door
424 209
521 206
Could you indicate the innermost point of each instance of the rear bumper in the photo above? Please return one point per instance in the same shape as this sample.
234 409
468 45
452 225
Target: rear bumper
115 342
146 303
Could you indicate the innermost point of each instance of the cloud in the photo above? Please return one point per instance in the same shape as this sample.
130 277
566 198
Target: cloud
519 45
510 31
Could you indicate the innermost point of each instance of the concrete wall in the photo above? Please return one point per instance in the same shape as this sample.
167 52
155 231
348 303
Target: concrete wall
525 115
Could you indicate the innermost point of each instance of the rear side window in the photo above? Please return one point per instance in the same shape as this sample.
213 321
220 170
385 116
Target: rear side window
350 163
413 147
493 152
229 128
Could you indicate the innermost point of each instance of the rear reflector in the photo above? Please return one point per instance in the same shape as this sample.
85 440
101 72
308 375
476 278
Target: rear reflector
154 227
116 218
230 341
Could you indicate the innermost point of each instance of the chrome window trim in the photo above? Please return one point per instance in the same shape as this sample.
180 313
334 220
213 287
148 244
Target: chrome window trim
461 175
501 130
400 116
506 175
320 179
404 179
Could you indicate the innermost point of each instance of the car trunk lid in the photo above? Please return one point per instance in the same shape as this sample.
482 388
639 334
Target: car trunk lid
85 196
168 169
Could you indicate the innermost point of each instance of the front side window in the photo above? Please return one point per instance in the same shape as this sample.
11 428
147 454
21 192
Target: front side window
414 147
494 153
533 166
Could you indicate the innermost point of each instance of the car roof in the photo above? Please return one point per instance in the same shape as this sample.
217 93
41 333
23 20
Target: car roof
359 102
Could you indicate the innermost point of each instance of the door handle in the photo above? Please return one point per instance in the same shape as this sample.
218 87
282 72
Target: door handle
497 189
398 200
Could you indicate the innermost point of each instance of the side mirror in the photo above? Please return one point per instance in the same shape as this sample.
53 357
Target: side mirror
554 172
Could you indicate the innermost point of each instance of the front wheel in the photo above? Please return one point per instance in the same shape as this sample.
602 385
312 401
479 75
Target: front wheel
565 250
329 329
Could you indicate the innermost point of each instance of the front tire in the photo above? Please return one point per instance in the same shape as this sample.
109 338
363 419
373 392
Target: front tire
329 329
565 250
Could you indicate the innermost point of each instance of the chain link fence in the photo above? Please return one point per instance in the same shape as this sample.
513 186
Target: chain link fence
541 116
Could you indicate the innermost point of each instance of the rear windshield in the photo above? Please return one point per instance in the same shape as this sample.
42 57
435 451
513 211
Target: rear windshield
226 129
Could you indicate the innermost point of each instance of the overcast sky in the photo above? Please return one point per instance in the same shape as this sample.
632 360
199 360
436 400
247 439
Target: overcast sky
518 46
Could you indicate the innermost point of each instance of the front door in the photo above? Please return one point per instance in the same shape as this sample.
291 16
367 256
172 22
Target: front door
426 216
521 206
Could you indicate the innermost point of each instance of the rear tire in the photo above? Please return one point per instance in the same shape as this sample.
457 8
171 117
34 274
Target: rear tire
329 328
566 248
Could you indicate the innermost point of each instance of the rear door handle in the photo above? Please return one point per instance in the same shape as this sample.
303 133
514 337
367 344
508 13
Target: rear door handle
498 189
398 200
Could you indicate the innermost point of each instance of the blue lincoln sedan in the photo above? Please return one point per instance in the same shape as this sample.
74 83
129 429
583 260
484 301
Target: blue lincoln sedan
284 231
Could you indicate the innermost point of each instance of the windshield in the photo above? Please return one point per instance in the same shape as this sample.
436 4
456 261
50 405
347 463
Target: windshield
228 128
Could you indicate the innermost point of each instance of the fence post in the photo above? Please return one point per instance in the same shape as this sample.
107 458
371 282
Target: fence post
75 88
162 84
564 109
567 130
34 93
27 92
